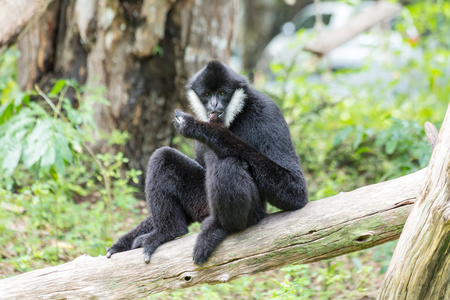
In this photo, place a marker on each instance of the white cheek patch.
(235, 106)
(197, 106)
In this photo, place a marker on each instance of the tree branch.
(431, 133)
(331, 39)
(326, 228)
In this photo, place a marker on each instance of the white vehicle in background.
(285, 48)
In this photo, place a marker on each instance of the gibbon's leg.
(211, 235)
(126, 241)
(175, 197)
(231, 191)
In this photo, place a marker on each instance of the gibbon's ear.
(235, 106)
(197, 106)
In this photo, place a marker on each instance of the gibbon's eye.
(222, 93)
(206, 94)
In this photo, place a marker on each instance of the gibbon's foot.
(116, 248)
(208, 239)
(149, 242)
(146, 258)
(201, 255)
(138, 242)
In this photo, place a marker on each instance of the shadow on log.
(326, 228)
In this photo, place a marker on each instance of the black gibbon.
(244, 158)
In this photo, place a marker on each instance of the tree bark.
(15, 15)
(420, 266)
(326, 228)
(142, 51)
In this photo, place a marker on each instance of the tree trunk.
(262, 20)
(326, 228)
(16, 15)
(420, 267)
(142, 51)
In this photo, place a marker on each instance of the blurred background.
(88, 90)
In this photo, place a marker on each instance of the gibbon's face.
(216, 89)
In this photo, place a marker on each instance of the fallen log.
(326, 228)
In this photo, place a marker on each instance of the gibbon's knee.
(160, 159)
(161, 170)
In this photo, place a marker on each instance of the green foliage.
(298, 279)
(45, 143)
(57, 198)
(349, 136)
(9, 87)
(432, 20)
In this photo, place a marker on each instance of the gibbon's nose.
(213, 102)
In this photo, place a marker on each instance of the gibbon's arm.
(286, 191)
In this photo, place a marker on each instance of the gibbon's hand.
(184, 123)
(213, 133)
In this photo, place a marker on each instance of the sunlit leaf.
(11, 158)
(57, 87)
(63, 147)
(48, 159)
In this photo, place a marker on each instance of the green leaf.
(72, 114)
(77, 189)
(33, 153)
(342, 135)
(359, 134)
(41, 131)
(37, 143)
(26, 99)
(364, 150)
(48, 159)
(59, 163)
(63, 146)
(390, 146)
(11, 158)
(19, 99)
(6, 111)
(57, 87)
(20, 123)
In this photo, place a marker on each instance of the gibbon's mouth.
(216, 115)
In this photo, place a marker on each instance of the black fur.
(237, 169)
